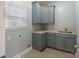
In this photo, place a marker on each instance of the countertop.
(52, 31)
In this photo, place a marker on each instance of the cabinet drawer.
(51, 42)
(51, 34)
(66, 35)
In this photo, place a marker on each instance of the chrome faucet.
(65, 29)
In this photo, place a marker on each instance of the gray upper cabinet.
(36, 13)
(51, 14)
(42, 14)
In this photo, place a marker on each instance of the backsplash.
(51, 27)
(37, 27)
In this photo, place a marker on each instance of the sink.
(65, 32)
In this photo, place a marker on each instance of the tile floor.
(47, 53)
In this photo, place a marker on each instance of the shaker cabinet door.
(69, 44)
(42, 14)
(51, 41)
(60, 43)
(51, 15)
(38, 41)
(36, 13)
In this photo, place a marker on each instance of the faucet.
(65, 29)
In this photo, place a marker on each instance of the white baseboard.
(22, 53)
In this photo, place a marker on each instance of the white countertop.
(52, 31)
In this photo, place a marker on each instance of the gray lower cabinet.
(66, 42)
(69, 44)
(51, 41)
(60, 43)
(38, 41)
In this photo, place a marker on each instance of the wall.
(77, 26)
(77, 20)
(2, 30)
(14, 43)
(65, 15)
(29, 22)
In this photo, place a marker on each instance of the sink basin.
(64, 32)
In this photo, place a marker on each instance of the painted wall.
(77, 26)
(14, 43)
(2, 30)
(29, 22)
(77, 20)
(65, 15)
